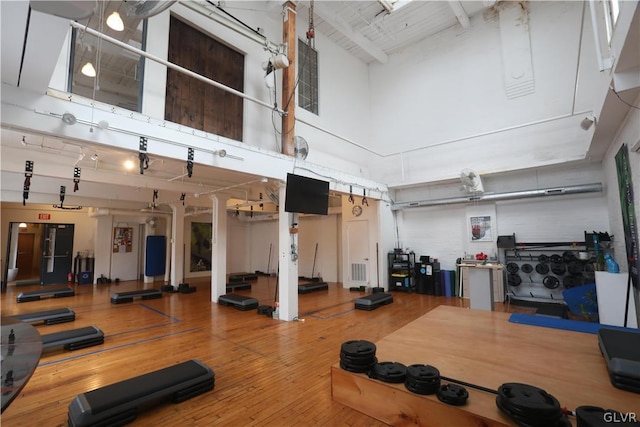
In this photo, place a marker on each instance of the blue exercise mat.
(154, 264)
(566, 324)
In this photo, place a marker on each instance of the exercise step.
(45, 293)
(48, 317)
(119, 403)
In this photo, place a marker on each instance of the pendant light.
(88, 70)
(114, 21)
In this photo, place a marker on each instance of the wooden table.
(482, 348)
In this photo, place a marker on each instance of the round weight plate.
(528, 402)
(390, 372)
(551, 282)
(558, 268)
(452, 394)
(556, 258)
(358, 348)
(358, 369)
(526, 268)
(568, 256)
(425, 373)
(543, 258)
(512, 267)
(575, 267)
(357, 361)
(514, 280)
(542, 268)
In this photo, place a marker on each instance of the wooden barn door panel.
(197, 104)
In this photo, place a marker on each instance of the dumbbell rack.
(544, 270)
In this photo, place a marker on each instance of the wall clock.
(356, 210)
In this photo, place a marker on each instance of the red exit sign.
(44, 216)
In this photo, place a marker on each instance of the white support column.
(288, 263)
(177, 245)
(218, 248)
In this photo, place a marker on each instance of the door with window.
(57, 253)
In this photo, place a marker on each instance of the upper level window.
(103, 71)
(611, 10)
(308, 77)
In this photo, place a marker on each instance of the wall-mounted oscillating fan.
(152, 222)
(146, 8)
(300, 147)
(471, 181)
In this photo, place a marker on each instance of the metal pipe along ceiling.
(525, 194)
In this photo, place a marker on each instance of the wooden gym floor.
(268, 372)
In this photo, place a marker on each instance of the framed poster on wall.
(122, 239)
(480, 227)
(200, 246)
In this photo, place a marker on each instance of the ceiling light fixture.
(88, 70)
(587, 122)
(128, 164)
(114, 21)
(94, 156)
(22, 225)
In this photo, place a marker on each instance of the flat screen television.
(306, 195)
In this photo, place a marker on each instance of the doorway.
(41, 253)
(358, 252)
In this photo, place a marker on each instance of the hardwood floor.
(268, 372)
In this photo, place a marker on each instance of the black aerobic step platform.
(45, 293)
(120, 297)
(305, 288)
(373, 301)
(240, 286)
(242, 277)
(240, 302)
(118, 403)
(74, 339)
(48, 317)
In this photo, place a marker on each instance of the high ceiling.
(364, 28)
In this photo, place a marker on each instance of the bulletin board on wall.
(122, 239)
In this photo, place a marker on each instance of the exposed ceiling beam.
(461, 15)
(346, 30)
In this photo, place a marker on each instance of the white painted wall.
(448, 93)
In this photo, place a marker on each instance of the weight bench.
(242, 277)
(49, 317)
(238, 286)
(373, 301)
(121, 297)
(240, 302)
(74, 339)
(305, 288)
(52, 292)
(118, 403)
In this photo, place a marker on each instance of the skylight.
(393, 5)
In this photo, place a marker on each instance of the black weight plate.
(543, 258)
(358, 369)
(572, 281)
(555, 258)
(512, 267)
(558, 268)
(528, 399)
(574, 267)
(514, 280)
(526, 268)
(542, 268)
(588, 267)
(358, 348)
(551, 282)
(390, 372)
(363, 361)
(452, 394)
(420, 372)
(568, 256)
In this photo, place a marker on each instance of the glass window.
(611, 10)
(308, 77)
(117, 73)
